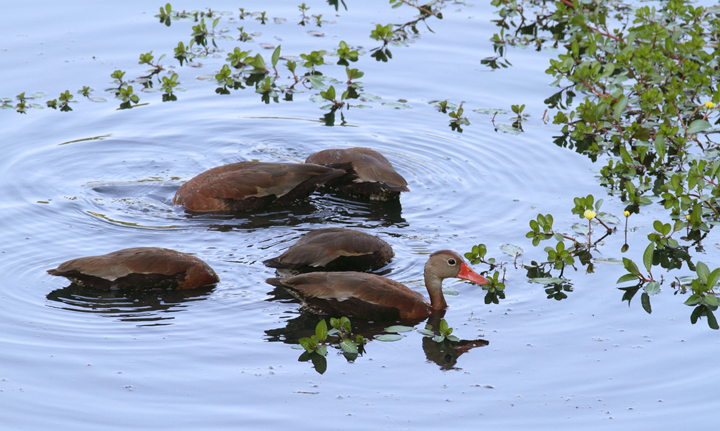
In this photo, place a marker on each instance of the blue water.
(98, 179)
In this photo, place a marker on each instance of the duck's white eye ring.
(451, 262)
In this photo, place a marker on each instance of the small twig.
(420, 8)
(617, 39)
(602, 223)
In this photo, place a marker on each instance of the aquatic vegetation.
(316, 345)
(648, 76)
(208, 39)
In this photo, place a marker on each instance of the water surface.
(98, 179)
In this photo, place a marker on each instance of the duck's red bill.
(467, 273)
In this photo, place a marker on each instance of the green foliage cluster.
(650, 82)
(444, 332)
(124, 91)
(316, 345)
(495, 290)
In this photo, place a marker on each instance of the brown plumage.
(369, 296)
(369, 173)
(139, 267)
(334, 249)
(247, 186)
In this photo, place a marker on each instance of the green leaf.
(388, 337)
(505, 128)
(511, 250)
(396, 105)
(628, 161)
(608, 218)
(581, 228)
(642, 134)
(443, 326)
(652, 288)
(711, 300)
(712, 322)
(450, 291)
(630, 266)
(657, 224)
(329, 94)
(316, 82)
(648, 256)
(348, 346)
(627, 277)
(399, 328)
(666, 229)
(660, 148)
(305, 343)
(620, 107)
(698, 126)
(629, 186)
(694, 299)
(367, 97)
(276, 56)
(321, 330)
(645, 300)
(703, 272)
(696, 313)
(345, 324)
(547, 280)
(713, 278)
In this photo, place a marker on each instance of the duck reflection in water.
(316, 211)
(445, 354)
(147, 307)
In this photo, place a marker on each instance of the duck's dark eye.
(451, 262)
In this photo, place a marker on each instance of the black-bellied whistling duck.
(370, 296)
(334, 249)
(247, 186)
(139, 267)
(370, 174)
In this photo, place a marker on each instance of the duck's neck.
(433, 283)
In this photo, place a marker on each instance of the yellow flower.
(687, 217)
(589, 214)
(709, 104)
(626, 213)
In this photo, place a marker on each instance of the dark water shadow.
(445, 354)
(319, 210)
(387, 213)
(150, 307)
